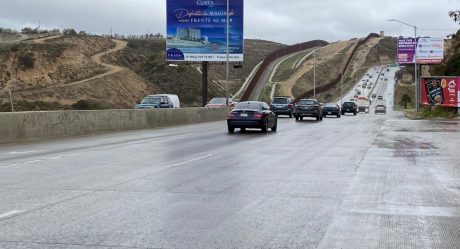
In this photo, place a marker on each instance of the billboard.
(196, 30)
(430, 50)
(406, 50)
(443, 91)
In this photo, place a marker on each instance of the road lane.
(365, 181)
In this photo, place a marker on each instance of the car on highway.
(373, 95)
(159, 101)
(252, 114)
(331, 109)
(380, 107)
(308, 108)
(282, 105)
(220, 102)
(379, 97)
(349, 107)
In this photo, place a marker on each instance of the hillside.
(56, 72)
(329, 61)
(147, 58)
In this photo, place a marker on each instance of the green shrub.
(26, 61)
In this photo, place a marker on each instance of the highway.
(365, 181)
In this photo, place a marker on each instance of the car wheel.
(338, 115)
(231, 129)
(301, 118)
(243, 129)
(296, 118)
(354, 113)
(290, 115)
(317, 118)
(264, 126)
(321, 118)
(343, 113)
(275, 126)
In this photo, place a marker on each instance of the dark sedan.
(331, 109)
(252, 114)
(308, 108)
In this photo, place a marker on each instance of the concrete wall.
(23, 126)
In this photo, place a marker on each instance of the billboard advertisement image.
(430, 50)
(196, 30)
(442, 91)
(406, 50)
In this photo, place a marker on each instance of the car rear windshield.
(348, 104)
(280, 101)
(217, 101)
(249, 106)
(330, 105)
(307, 102)
(152, 100)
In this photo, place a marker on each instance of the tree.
(405, 99)
(455, 15)
(69, 32)
(28, 30)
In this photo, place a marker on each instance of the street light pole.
(314, 73)
(226, 69)
(417, 87)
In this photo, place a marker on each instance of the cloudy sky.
(285, 21)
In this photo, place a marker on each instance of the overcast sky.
(285, 21)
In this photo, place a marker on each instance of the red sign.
(441, 91)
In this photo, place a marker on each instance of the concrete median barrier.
(24, 126)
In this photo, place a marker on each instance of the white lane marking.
(21, 152)
(189, 161)
(259, 140)
(44, 159)
(9, 214)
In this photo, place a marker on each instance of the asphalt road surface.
(365, 181)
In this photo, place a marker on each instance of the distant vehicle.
(380, 107)
(252, 114)
(308, 108)
(283, 106)
(379, 97)
(331, 109)
(373, 95)
(349, 107)
(363, 104)
(220, 102)
(369, 87)
(159, 101)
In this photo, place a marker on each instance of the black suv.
(308, 108)
(349, 107)
(282, 106)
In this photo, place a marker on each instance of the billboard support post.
(417, 85)
(226, 66)
(204, 86)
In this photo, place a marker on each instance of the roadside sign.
(442, 91)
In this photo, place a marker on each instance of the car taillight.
(289, 106)
(231, 115)
(259, 115)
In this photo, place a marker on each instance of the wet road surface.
(365, 181)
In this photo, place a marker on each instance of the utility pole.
(11, 99)
(314, 73)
